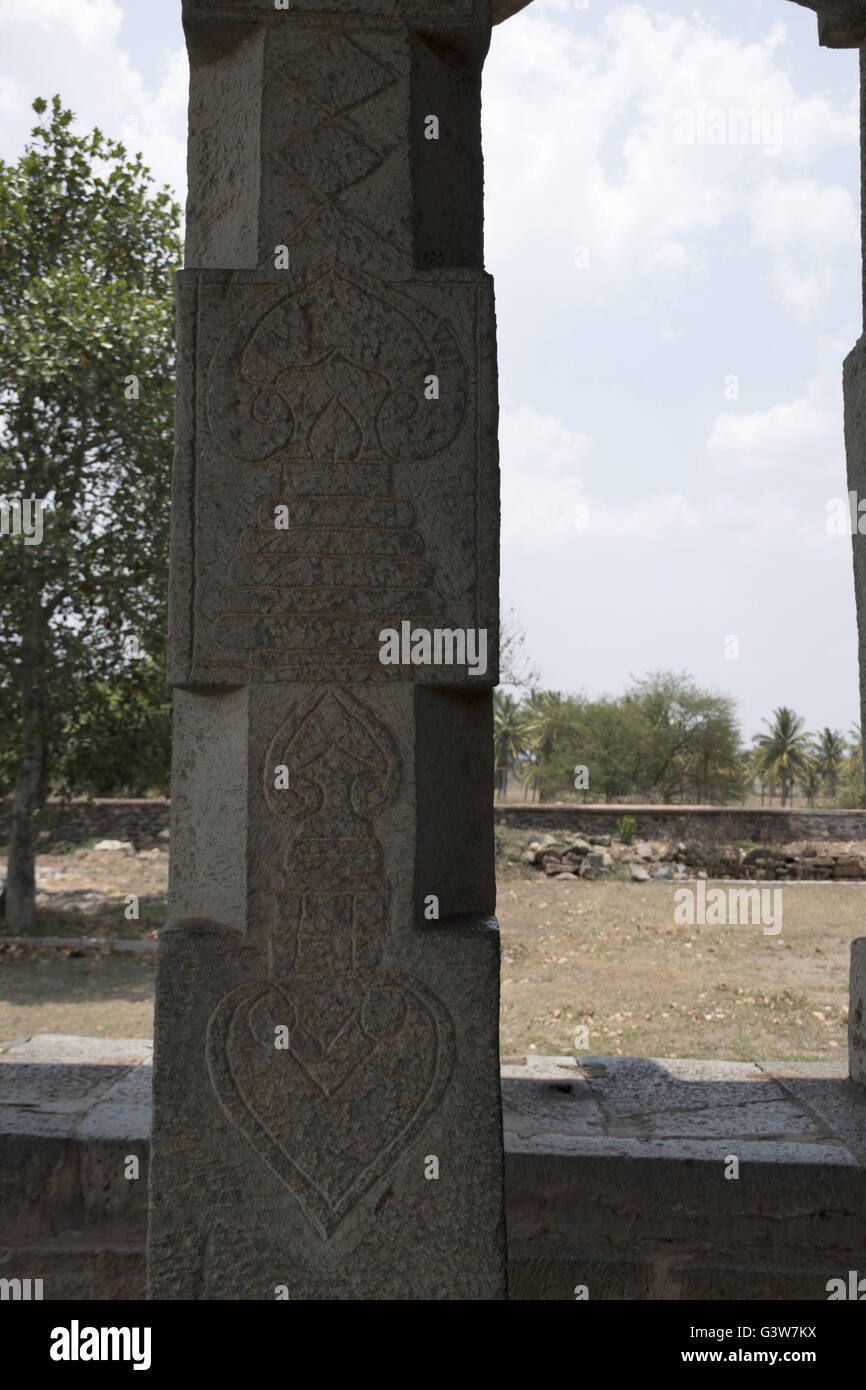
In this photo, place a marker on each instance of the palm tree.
(783, 753)
(830, 757)
(548, 723)
(747, 772)
(509, 743)
(813, 780)
(854, 762)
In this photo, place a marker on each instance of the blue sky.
(672, 319)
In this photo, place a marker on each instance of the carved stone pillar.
(326, 1087)
(842, 24)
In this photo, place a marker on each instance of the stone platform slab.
(615, 1172)
(616, 1178)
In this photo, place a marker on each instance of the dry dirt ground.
(610, 957)
(103, 996)
(606, 956)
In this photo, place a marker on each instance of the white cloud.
(582, 121)
(157, 123)
(73, 47)
(543, 492)
(646, 519)
(804, 226)
(91, 24)
(12, 96)
(542, 487)
(802, 434)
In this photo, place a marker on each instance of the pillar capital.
(841, 23)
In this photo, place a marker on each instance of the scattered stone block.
(848, 867)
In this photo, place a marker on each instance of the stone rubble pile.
(567, 856)
(810, 863)
(593, 856)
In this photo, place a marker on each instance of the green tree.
(118, 743)
(744, 774)
(812, 780)
(851, 792)
(87, 255)
(664, 737)
(854, 750)
(509, 744)
(783, 752)
(689, 738)
(608, 739)
(552, 738)
(830, 754)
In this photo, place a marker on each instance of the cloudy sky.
(676, 290)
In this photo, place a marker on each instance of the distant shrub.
(626, 829)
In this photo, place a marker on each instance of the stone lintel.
(841, 23)
(444, 17)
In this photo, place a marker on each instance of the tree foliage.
(88, 252)
(664, 739)
(784, 752)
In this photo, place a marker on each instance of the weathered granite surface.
(857, 1012)
(326, 1095)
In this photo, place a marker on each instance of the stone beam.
(841, 23)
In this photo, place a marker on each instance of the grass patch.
(94, 996)
(108, 921)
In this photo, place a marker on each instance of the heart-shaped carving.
(369, 1057)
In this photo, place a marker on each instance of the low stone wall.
(764, 825)
(612, 1175)
(142, 821)
(76, 822)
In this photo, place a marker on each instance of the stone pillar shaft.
(842, 24)
(326, 1090)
